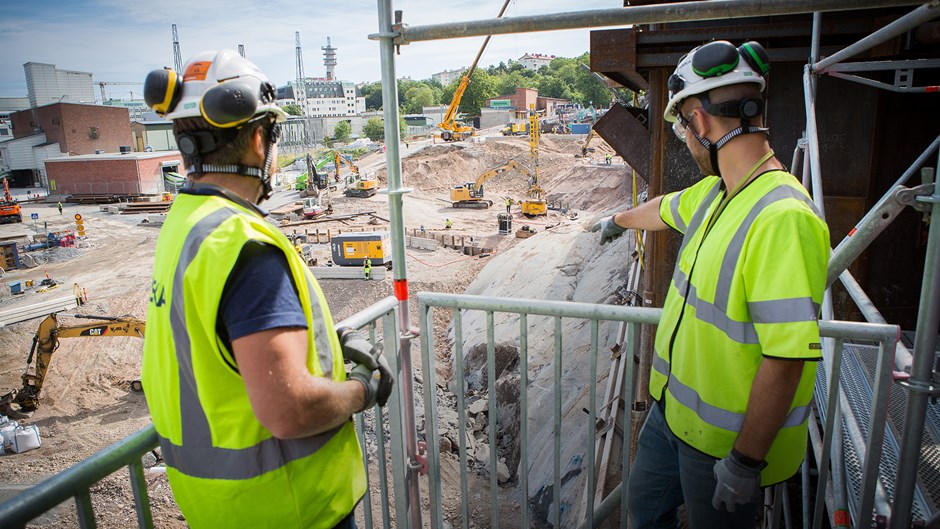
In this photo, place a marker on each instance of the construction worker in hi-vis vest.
(243, 370)
(735, 353)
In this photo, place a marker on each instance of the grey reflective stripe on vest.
(739, 331)
(321, 338)
(736, 246)
(698, 218)
(771, 311)
(674, 208)
(719, 417)
(713, 415)
(197, 457)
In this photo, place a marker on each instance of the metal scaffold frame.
(392, 34)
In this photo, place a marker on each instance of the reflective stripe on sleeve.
(674, 209)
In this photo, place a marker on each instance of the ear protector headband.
(162, 90)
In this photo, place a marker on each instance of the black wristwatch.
(747, 461)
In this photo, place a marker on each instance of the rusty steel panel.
(613, 53)
(628, 136)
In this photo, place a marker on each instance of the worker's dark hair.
(231, 152)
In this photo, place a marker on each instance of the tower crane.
(101, 84)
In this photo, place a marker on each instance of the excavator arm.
(45, 343)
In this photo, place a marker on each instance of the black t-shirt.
(259, 295)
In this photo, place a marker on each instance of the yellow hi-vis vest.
(751, 289)
(225, 468)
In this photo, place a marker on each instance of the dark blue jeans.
(668, 473)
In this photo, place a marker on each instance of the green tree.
(550, 86)
(374, 129)
(342, 131)
(293, 110)
(482, 87)
(373, 94)
(418, 96)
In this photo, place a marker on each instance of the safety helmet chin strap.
(262, 173)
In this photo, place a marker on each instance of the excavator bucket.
(13, 406)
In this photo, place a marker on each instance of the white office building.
(47, 84)
(326, 98)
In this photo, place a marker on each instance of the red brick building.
(138, 173)
(78, 129)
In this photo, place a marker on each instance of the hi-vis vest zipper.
(750, 289)
(225, 468)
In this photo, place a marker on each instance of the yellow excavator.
(451, 129)
(534, 204)
(470, 194)
(46, 341)
(357, 185)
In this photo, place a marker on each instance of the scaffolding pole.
(920, 386)
(400, 278)
(634, 15)
(924, 13)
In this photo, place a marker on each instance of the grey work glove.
(738, 482)
(609, 229)
(370, 366)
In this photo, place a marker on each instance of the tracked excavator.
(20, 403)
(357, 185)
(470, 194)
(9, 209)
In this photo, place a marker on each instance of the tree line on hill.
(562, 78)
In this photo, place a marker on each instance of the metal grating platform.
(858, 367)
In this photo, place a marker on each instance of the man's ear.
(699, 121)
(257, 142)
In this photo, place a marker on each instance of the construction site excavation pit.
(87, 402)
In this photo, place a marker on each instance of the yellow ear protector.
(162, 90)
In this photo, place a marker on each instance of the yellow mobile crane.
(46, 341)
(470, 194)
(451, 129)
(534, 203)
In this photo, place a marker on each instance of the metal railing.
(493, 312)
(77, 481)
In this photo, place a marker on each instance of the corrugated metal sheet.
(18, 154)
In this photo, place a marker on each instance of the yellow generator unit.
(351, 249)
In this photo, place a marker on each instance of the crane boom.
(451, 130)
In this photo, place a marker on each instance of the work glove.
(609, 229)
(370, 367)
(738, 482)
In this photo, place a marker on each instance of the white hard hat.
(713, 65)
(222, 87)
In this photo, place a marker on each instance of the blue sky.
(117, 40)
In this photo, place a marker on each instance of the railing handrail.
(78, 479)
(45, 495)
